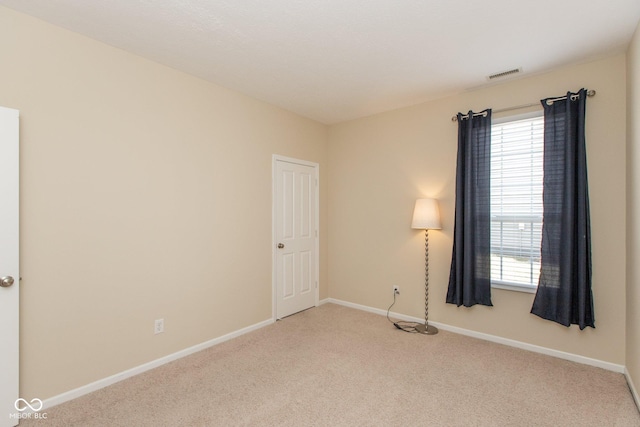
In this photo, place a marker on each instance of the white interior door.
(295, 236)
(9, 274)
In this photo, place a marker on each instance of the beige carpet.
(336, 366)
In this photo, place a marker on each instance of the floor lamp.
(426, 217)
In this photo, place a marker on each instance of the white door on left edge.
(295, 234)
(9, 274)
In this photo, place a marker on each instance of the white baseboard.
(97, 385)
(493, 338)
(634, 392)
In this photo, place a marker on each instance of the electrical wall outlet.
(396, 290)
(158, 326)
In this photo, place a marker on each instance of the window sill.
(513, 287)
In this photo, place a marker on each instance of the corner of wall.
(632, 335)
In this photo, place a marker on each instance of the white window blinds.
(516, 201)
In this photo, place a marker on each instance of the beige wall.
(379, 165)
(633, 210)
(145, 193)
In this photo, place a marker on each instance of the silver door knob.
(280, 245)
(6, 281)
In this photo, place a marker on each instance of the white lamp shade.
(425, 215)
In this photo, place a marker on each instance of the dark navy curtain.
(564, 290)
(470, 275)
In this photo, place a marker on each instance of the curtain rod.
(519, 107)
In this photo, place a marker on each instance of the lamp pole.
(426, 329)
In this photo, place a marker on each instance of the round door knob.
(6, 281)
(280, 245)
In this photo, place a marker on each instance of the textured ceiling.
(336, 60)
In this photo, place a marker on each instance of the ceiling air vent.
(504, 74)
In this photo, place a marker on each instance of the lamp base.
(426, 329)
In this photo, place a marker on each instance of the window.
(516, 201)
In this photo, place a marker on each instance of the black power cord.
(401, 324)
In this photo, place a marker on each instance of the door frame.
(274, 286)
